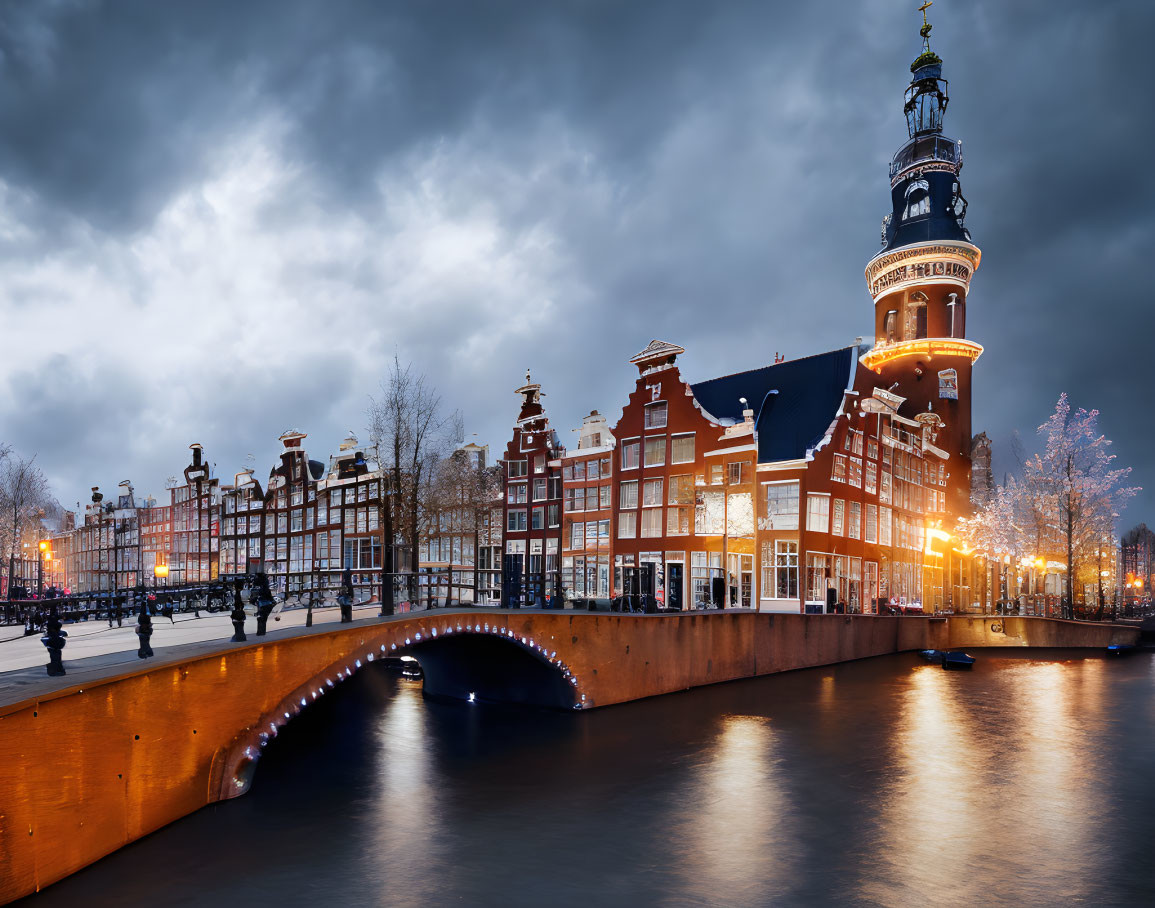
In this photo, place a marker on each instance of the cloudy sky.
(221, 220)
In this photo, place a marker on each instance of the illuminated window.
(917, 200)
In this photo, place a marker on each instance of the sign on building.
(948, 384)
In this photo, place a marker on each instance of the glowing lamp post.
(40, 570)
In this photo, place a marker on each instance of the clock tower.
(920, 278)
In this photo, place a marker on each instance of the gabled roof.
(794, 402)
(656, 349)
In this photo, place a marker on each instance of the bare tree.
(24, 493)
(1075, 484)
(410, 432)
(462, 493)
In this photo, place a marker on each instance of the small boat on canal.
(1120, 649)
(948, 659)
(957, 660)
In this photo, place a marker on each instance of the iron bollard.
(238, 615)
(54, 641)
(144, 632)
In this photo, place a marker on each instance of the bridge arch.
(462, 657)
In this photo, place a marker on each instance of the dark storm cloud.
(709, 173)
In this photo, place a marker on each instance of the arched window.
(890, 326)
(916, 316)
(917, 200)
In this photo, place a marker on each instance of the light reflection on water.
(1027, 781)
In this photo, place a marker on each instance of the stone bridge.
(93, 761)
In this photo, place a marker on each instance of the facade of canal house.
(532, 509)
(587, 477)
(242, 526)
(196, 505)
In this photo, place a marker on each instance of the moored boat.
(1120, 649)
(957, 660)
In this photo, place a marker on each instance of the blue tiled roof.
(808, 393)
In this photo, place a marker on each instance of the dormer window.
(917, 200)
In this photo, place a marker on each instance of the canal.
(1027, 781)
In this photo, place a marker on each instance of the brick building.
(532, 509)
(587, 516)
(195, 554)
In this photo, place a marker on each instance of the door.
(674, 572)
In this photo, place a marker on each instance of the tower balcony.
(926, 148)
(925, 348)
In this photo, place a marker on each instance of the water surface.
(1027, 781)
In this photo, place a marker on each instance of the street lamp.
(40, 570)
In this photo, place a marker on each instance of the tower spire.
(926, 26)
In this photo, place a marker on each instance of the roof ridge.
(772, 365)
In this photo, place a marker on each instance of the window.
(884, 526)
(516, 468)
(652, 493)
(856, 472)
(631, 452)
(629, 495)
(885, 489)
(553, 515)
(577, 536)
(817, 576)
(538, 518)
(682, 449)
(854, 520)
(916, 315)
(836, 527)
(656, 415)
(779, 570)
(516, 522)
(715, 474)
(871, 478)
(539, 490)
(871, 534)
(782, 505)
(681, 500)
(579, 471)
(651, 522)
(539, 463)
(917, 200)
(677, 521)
(604, 493)
(735, 472)
(656, 451)
(627, 525)
(838, 473)
(818, 513)
(592, 472)
(516, 492)
(872, 449)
